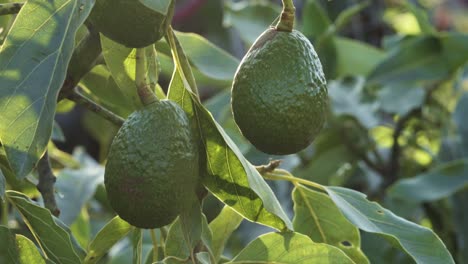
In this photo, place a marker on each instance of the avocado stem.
(145, 93)
(286, 22)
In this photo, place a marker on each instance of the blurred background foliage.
(397, 130)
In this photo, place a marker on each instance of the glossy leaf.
(250, 18)
(315, 19)
(28, 252)
(57, 133)
(316, 216)
(208, 60)
(293, 248)
(460, 217)
(75, 187)
(33, 64)
(8, 250)
(400, 99)
(108, 236)
(229, 176)
(348, 99)
(421, 243)
(120, 61)
(2, 186)
(160, 6)
(222, 227)
(356, 58)
(415, 59)
(440, 182)
(459, 117)
(185, 232)
(55, 241)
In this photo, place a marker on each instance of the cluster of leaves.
(387, 110)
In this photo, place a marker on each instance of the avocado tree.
(374, 140)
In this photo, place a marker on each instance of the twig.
(391, 174)
(144, 92)
(81, 99)
(46, 184)
(270, 167)
(10, 8)
(286, 22)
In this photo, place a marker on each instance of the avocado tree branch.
(46, 184)
(145, 93)
(81, 99)
(10, 8)
(286, 22)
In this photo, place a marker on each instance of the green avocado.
(279, 94)
(152, 168)
(129, 22)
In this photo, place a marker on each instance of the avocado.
(279, 94)
(152, 168)
(129, 22)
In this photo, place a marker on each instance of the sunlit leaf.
(33, 64)
(421, 243)
(229, 176)
(293, 248)
(316, 216)
(440, 182)
(54, 240)
(110, 234)
(28, 252)
(222, 227)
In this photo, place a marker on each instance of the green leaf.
(293, 248)
(121, 62)
(460, 217)
(161, 6)
(81, 228)
(57, 133)
(185, 232)
(400, 99)
(250, 18)
(422, 18)
(137, 241)
(222, 227)
(440, 182)
(455, 46)
(208, 60)
(421, 243)
(204, 258)
(8, 250)
(33, 64)
(110, 234)
(415, 59)
(459, 116)
(100, 86)
(346, 15)
(77, 186)
(27, 251)
(347, 98)
(315, 19)
(316, 216)
(356, 58)
(53, 239)
(229, 176)
(2, 186)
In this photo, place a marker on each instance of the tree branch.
(81, 99)
(46, 184)
(10, 8)
(270, 167)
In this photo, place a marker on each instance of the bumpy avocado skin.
(279, 94)
(152, 168)
(129, 22)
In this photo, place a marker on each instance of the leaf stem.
(286, 22)
(81, 99)
(155, 245)
(10, 8)
(144, 91)
(46, 184)
(284, 175)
